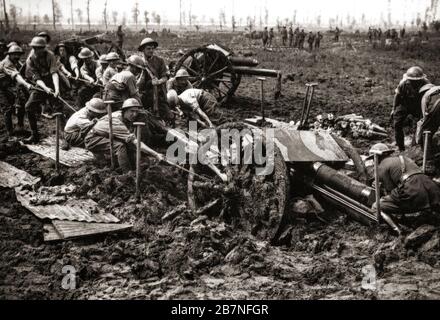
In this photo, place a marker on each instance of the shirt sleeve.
(132, 88)
(10, 70)
(31, 72)
(189, 98)
(52, 62)
(121, 132)
(73, 62)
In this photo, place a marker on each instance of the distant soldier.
(271, 36)
(318, 39)
(195, 101)
(301, 39)
(82, 121)
(407, 189)
(379, 34)
(122, 85)
(296, 36)
(291, 35)
(337, 34)
(155, 74)
(284, 36)
(41, 69)
(265, 37)
(407, 101)
(120, 34)
(113, 60)
(124, 139)
(99, 72)
(180, 82)
(88, 72)
(370, 34)
(9, 77)
(425, 30)
(311, 40)
(402, 33)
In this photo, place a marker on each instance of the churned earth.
(173, 254)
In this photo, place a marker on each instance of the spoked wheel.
(210, 70)
(250, 201)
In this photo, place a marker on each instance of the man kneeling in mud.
(124, 141)
(82, 121)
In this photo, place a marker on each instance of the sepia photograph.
(233, 150)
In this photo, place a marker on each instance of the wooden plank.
(73, 157)
(72, 209)
(74, 229)
(12, 177)
(50, 233)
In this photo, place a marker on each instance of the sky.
(307, 10)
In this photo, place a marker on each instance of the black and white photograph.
(233, 150)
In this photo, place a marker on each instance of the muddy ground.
(200, 258)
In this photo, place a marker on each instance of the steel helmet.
(136, 61)
(415, 73)
(44, 34)
(38, 42)
(103, 59)
(172, 98)
(85, 53)
(182, 73)
(131, 103)
(112, 56)
(426, 87)
(96, 105)
(380, 148)
(149, 42)
(15, 49)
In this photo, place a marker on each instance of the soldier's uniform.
(9, 94)
(318, 39)
(87, 91)
(197, 98)
(265, 37)
(121, 87)
(291, 37)
(108, 74)
(284, 35)
(409, 190)
(311, 40)
(173, 85)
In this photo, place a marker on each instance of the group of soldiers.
(293, 39)
(137, 89)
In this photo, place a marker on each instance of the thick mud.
(173, 254)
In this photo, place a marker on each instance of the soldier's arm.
(22, 82)
(203, 117)
(85, 74)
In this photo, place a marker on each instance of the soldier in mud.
(124, 140)
(10, 77)
(301, 39)
(296, 36)
(67, 64)
(103, 64)
(291, 35)
(284, 35)
(113, 60)
(88, 72)
(271, 37)
(82, 121)
(180, 82)
(407, 101)
(154, 74)
(318, 39)
(265, 37)
(311, 40)
(122, 85)
(337, 34)
(370, 34)
(407, 189)
(42, 70)
(195, 102)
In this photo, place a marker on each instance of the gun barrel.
(243, 61)
(250, 71)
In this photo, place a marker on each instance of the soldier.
(318, 39)
(3, 49)
(296, 36)
(407, 101)
(265, 37)
(284, 35)
(41, 68)
(82, 121)
(67, 64)
(407, 189)
(123, 84)
(271, 36)
(103, 64)
(9, 76)
(291, 36)
(337, 33)
(88, 72)
(301, 39)
(155, 74)
(120, 34)
(311, 40)
(180, 82)
(113, 61)
(97, 140)
(46, 36)
(194, 101)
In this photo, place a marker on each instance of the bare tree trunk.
(180, 11)
(6, 16)
(105, 15)
(53, 14)
(88, 13)
(71, 15)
